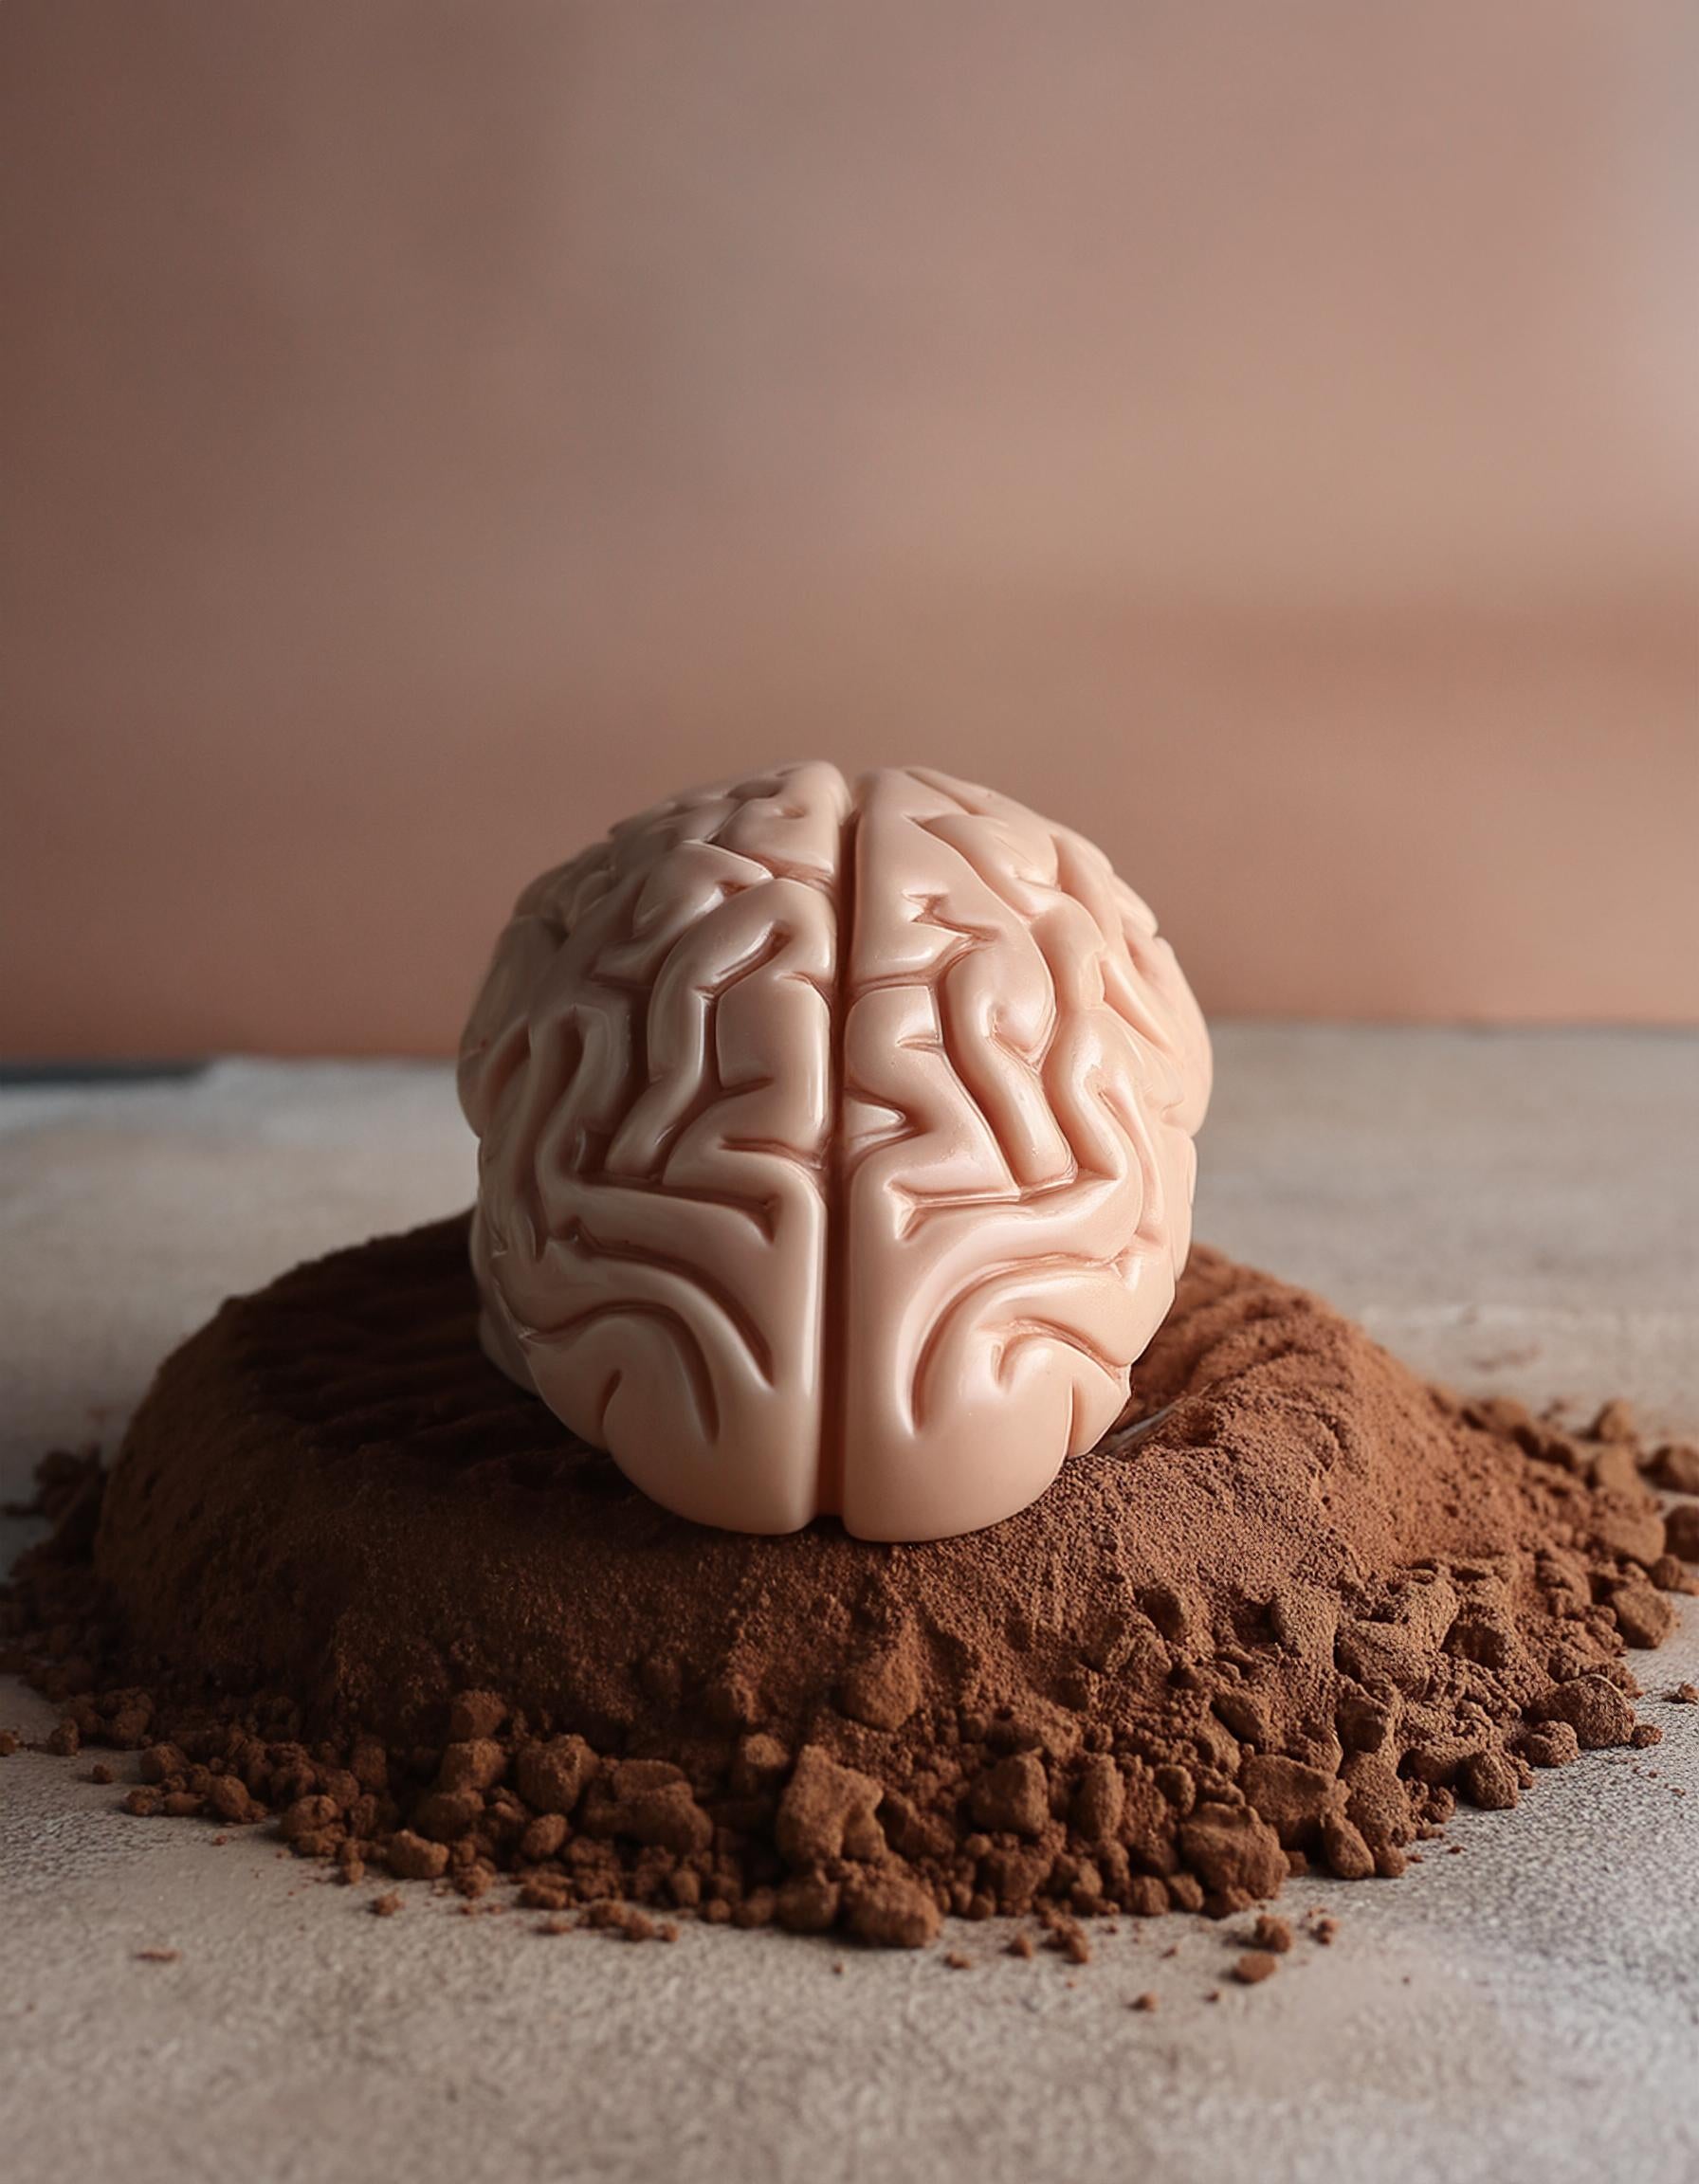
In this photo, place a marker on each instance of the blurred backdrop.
(1262, 437)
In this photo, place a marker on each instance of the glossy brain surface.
(834, 1149)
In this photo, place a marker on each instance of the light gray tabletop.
(1508, 1210)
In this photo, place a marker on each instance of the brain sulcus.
(834, 1149)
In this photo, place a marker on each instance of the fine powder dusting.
(345, 1573)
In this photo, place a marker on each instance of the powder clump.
(347, 1576)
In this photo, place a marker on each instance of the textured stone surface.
(1506, 1211)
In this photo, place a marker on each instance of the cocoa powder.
(345, 1577)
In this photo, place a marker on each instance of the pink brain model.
(834, 1149)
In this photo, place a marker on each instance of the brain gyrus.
(834, 1149)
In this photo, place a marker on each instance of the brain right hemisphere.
(835, 1148)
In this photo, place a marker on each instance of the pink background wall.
(1262, 437)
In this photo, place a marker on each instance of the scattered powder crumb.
(66, 1739)
(1682, 1531)
(412, 1858)
(1675, 1466)
(385, 1907)
(1685, 1695)
(1272, 1934)
(158, 1956)
(1324, 1930)
(1021, 1946)
(1067, 1939)
(956, 1962)
(1255, 1966)
(101, 1772)
(1144, 2002)
(9, 1742)
(1646, 1733)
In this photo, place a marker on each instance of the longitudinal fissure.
(834, 1304)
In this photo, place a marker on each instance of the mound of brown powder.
(345, 1573)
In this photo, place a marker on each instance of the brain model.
(834, 1149)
